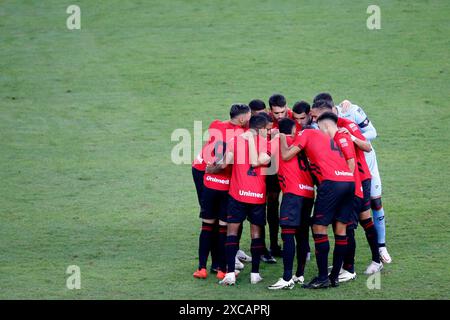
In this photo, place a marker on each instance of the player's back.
(248, 184)
(220, 134)
(294, 175)
(326, 159)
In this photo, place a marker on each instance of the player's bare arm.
(364, 145)
(287, 153)
(218, 167)
(351, 164)
(256, 160)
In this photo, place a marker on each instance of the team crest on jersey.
(352, 126)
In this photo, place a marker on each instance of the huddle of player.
(321, 159)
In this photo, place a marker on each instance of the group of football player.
(320, 158)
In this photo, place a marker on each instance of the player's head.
(269, 119)
(240, 114)
(257, 106)
(300, 112)
(287, 126)
(327, 122)
(319, 107)
(324, 96)
(277, 104)
(259, 124)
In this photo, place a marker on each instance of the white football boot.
(374, 267)
(345, 276)
(282, 284)
(243, 257)
(255, 278)
(299, 280)
(384, 255)
(238, 264)
(229, 280)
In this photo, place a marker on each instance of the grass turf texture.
(86, 118)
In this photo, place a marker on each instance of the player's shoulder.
(357, 110)
(216, 124)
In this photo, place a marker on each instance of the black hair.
(301, 106)
(324, 96)
(277, 100)
(267, 116)
(322, 104)
(258, 122)
(257, 105)
(238, 109)
(285, 125)
(328, 116)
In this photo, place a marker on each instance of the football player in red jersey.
(215, 189)
(298, 198)
(334, 201)
(278, 110)
(361, 146)
(301, 114)
(257, 106)
(248, 154)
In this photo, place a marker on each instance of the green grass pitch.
(86, 118)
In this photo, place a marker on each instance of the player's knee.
(376, 204)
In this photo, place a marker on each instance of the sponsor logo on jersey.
(305, 187)
(251, 194)
(221, 181)
(343, 173)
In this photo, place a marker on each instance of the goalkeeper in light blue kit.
(356, 114)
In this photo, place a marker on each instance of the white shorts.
(375, 186)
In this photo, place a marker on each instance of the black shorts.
(366, 192)
(354, 218)
(197, 175)
(295, 210)
(272, 184)
(215, 203)
(238, 211)
(334, 202)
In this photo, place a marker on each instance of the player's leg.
(236, 213)
(197, 176)
(345, 192)
(222, 263)
(257, 218)
(324, 212)
(211, 201)
(273, 203)
(302, 239)
(347, 272)
(238, 264)
(289, 222)
(204, 247)
(215, 248)
(256, 248)
(377, 209)
(379, 221)
(366, 222)
(222, 236)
